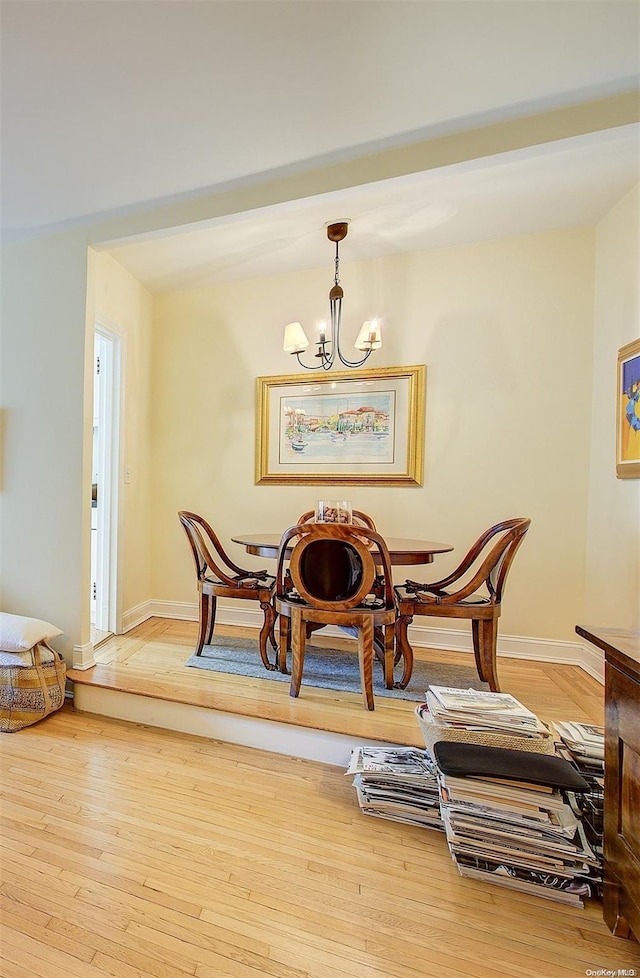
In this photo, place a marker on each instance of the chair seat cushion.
(436, 598)
(371, 602)
(250, 583)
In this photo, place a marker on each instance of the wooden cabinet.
(622, 778)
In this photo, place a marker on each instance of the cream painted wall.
(45, 499)
(612, 594)
(120, 299)
(505, 329)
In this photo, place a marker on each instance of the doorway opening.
(107, 355)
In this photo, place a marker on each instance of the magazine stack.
(398, 783)
(480, 717)
(508, 820)
(583, 745)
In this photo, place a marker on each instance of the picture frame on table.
(628, 412)
(356, 427)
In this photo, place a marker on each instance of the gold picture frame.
(628, 412)
(355, 427)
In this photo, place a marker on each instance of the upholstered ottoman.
(32, 674)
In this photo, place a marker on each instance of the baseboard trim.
(83, 656)
(451, 639)
(592, 661)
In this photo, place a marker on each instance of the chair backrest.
(359, 518)
(512, 534)
(208, 553)
(488, 563)
(332, 566)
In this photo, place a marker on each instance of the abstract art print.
(628, 412)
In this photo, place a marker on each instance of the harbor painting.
(355, 427)
(337, 429)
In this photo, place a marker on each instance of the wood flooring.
(149, 660)
(133, 852)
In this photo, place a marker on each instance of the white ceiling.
(566, 184)
(106, 105)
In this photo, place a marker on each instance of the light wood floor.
(133, 852)
(150, 660)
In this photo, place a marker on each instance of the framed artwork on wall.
(628, 412)
(356, 427)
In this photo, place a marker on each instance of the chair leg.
(204, 621)
(284, 649)
(404, 649)
(213, 603)
(485, 642)
(266, 631)
(272, 633)
(365, 659)
(389, 655)
(298, 642)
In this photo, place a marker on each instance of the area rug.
(331, 669)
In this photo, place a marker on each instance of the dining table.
(403, 552)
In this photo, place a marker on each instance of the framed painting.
(356, 427)
(628, 412)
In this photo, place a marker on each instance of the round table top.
(402, 552)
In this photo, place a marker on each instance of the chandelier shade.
(295, 340)
(328, 340)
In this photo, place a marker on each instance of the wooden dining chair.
(360, 518)
(329, 581)
(218, 577)
(474, 590)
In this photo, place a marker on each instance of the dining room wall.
(612, 592)
(505, 329)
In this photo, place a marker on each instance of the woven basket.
(433, 732)
(29, 693)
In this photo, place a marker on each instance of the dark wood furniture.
(402, 552)
(329, 580)
(480, 580)
(621, 905)
(217, 576)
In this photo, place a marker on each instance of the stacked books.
(398, 783)
(508, 821)
(477, 716)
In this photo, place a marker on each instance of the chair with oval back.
(359, 518)
(481, 579)
(218, 576)
(329, 581)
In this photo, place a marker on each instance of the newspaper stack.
(474, 709)
(583, 745)
(508, 820)
(397, 783)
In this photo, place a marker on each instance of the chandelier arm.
(318, 366)
(354, 363)
(336, 322)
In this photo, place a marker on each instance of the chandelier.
(328, 342)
